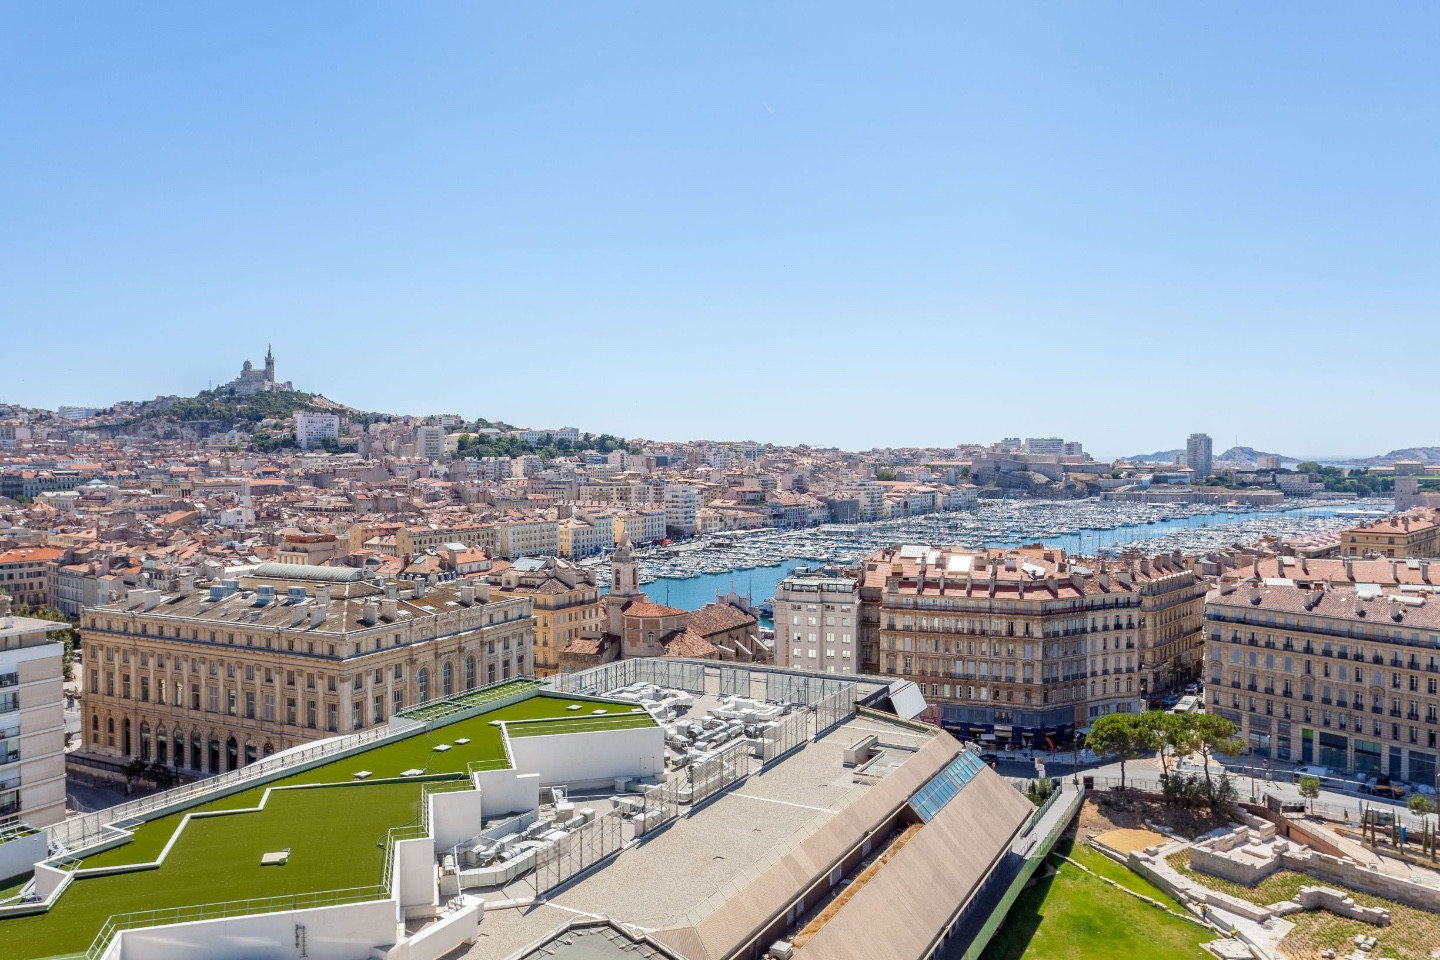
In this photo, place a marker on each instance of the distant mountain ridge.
(1425, 454)
(1250, 457)
(1240, 456)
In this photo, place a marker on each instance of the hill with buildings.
(222, 405)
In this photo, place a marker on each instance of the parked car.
(1311, 770)
(990, 758)
(1191, 689)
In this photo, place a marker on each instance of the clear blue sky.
(854, 224)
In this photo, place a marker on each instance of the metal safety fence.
(734, 682)
(792, 730)
(577, 851)
(671, 674)
(77, 832)
(835, 707)
(661, 804)
(715, 773)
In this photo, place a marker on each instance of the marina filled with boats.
(1087, 527)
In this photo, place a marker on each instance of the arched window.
(162, 746)
(145, 741)
(232, 754)
(269, 749)
(110, 732)
(125, 736)
(179, 748)
(447, 682)
(197, 758)
(423, 678)
(469, 673)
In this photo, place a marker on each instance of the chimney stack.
(370, 613)
(467, 594)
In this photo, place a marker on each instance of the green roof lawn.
(1071, 915)
(218, 858)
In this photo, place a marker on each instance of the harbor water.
(1201, 531)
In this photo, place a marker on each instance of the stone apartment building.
(32, 720)
(28, 574)
(1029, 644)
(206, 678)
(1340, 675)
(817, 621)
(1407, 535)
(566, 601)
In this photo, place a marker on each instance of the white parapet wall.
(593, 757)
(413, 883)
(18, 855)
(455, 817)
(347, 932)
(457, 927)
(507, 792)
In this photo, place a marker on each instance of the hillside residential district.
(283, 678)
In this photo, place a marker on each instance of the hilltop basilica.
(252, 381)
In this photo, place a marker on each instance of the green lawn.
(440, 708)
(335, 830)
(1074, 916)
(1099, 863)
(389, 760)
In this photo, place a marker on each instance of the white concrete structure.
(682, 502)
(430, 442)
(1198, 447)
(32, 720)
(311, 429)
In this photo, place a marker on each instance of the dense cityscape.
(195, 589)
(653, 481)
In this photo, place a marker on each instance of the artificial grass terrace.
(335, 830)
